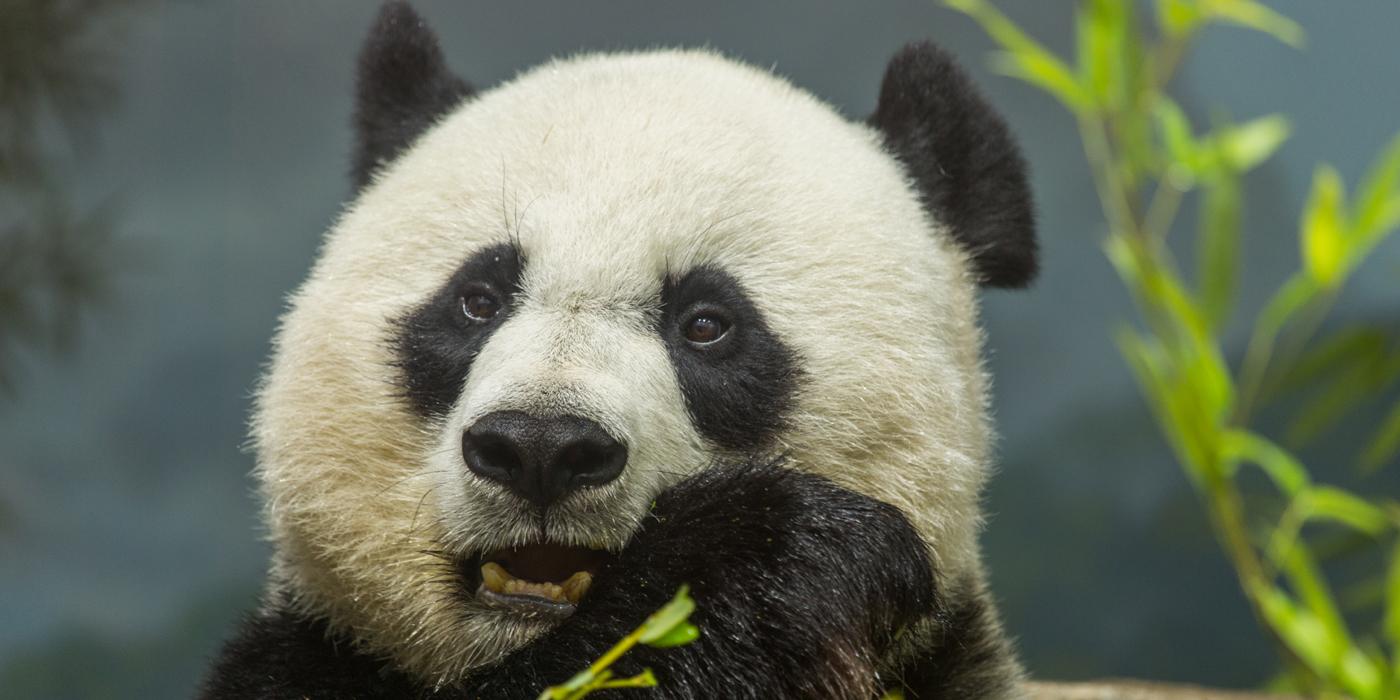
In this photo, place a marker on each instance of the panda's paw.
(800, 586)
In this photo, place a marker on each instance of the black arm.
(800, 586)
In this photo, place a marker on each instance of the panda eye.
(705, 329)
(480, 308)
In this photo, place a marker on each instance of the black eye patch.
(436, 342)
(740, 388)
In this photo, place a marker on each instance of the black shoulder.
(280, 654)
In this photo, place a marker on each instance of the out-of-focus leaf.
(1307, 582)
(1255, 15)
(1177, 17)
(1378, 198)
(1304, 634)
(1185, 165)
(1323, 234)
(1295, 294)
(1109, 52)
(1286, 472)
(681, 634)
(1386, 442)
(1336, 505)
(1218, 247)
(1245, 146)
(1392, 599)
(1357, 383)
(672, 615)
(1347, 348)
(1024, 58)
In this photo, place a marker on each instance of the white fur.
(610, 171)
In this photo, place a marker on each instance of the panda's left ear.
(402, 87)
(960, 154)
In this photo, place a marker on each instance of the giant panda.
(626, 322)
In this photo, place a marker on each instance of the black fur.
(961, 155)
(739, 389)
(964, 654)
(403, 87)
(801, 587)
(436, 343)
(279, 654)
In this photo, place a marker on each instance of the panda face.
(577, 289)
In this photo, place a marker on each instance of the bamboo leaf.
(1324, 229)
(1336, 505)
(1024, 58)
(1182, 149)
(1245, 146)
(663, 621)
(1386, 442)
(1177, 17)
(679, 635)
(1286, 472)
(1378, 199)
(1218, 247)
(1257, 16)
(1392, 599)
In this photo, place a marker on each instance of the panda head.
(552, 300)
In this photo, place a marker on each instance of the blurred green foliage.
(1146, 156)
(57, 77)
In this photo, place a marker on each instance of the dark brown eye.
(703, 330)
(480, 307)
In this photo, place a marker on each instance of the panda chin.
(537, 580)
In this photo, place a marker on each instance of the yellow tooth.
(552, 592)
(574, 588)
(495, 577)
(514, 586)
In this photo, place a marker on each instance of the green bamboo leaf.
(1392, 599)
(1386, 442)
(1347, 348)
(1333, 504)
(1287, 473)
(1255, 15)
(1324, 229)
(1307, 581)
(1185, 166)
(1177, 18)
(1378, 198)
(1357, 383)
(1300, 630)
(1218, 247)
(679, 635)
(1108, 51)
(670, 616)
(1024, 58)
(1245, 146)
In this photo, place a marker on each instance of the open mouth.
(540, 579)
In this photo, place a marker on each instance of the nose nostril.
(592, 462)
(490, 456)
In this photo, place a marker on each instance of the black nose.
(542, 459)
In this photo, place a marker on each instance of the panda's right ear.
(962, 158)
(402, 87)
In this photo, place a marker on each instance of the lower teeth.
(496, 579)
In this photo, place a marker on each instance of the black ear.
(961, 155)
(403, 86)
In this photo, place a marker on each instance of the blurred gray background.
(129, 537)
